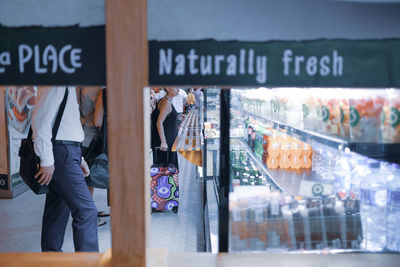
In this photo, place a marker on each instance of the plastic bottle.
(393, 211)
(305, 156)
(342, 173)
(357, 175)
(273, 153)
(286, 147)
(373, 209)
(295, 155)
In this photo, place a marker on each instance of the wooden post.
(3, 134)
(127, 74)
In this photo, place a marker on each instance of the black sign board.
(313, 63)
(52, 56)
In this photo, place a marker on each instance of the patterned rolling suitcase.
(164, 188)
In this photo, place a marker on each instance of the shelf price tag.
(314, 189)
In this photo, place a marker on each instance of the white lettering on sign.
(67, 60)
(165, 66)
(192, 62)
(231, 69)
(180, 65)
(22, 57)
(310, 64)
(261, 69)
(5, 60)
(246, 62)
(206, 67)
(229, 65)
(50, 54)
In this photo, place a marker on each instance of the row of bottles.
(244, 171)
(276, 149)
(265, 221)
(373, 185)
(377, 186)
(360, 115)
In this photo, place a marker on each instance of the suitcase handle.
(159, 148)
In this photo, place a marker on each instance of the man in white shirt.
(63, 169)
(179, 102)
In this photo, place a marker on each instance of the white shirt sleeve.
(43, 116)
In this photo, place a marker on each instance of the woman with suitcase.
(164, 172)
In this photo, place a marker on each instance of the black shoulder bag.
(29, 161)
(99, 174)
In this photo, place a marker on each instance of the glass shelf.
(383, 151)
(290, 182)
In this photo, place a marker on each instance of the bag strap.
(104, 126)
(58, 118)
(59, 115)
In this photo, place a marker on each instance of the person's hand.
(164, 147)
(44, 175)
(85, 168)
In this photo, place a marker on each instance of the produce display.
(357, 115)
(365, 116)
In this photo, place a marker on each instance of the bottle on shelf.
(358, 174)
(390, 123)
(273, 152)
(344, 118)
(373, 209)
(365, 115)
(342, 172)
(265, 149)
(330, 113)
(286, 148)
(353, 223)
(393, 211)
(310, 110)
(305, 157)
(295, 155)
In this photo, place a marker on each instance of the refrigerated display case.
(303, 175)
(210, 168)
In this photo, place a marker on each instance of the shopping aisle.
(21, 220)
(182, 232)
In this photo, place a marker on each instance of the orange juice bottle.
(286, 146)
(306, 154)
(274, 147)
(306, 149)
(305, 162)
(295, 161)
(273, 152)
(272, 162)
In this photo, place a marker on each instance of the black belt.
(63, 142)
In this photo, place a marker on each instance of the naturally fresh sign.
(326, 63)
(247, 63)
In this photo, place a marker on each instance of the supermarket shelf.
(274, 185)
(289, 181)
(384, 151)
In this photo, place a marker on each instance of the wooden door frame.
(128, 143)
(127, 75)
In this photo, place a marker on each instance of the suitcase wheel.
(175, 209)
(153, 210)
